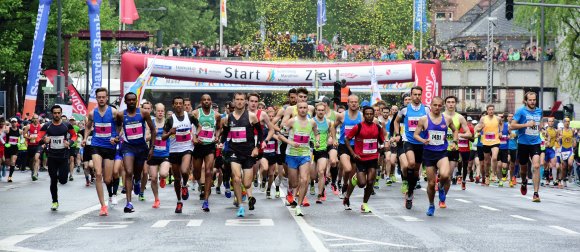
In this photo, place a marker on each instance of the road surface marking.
(334, 239)
(358, 239)
(409, 218)
(424, 189)
(349, 244)
(489, 208)
(565, 230)
(306, 229)
(164, 223)
(522, 218)
(250, 222)
(464, 201)
(105, 225)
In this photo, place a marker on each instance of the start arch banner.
(426, 74)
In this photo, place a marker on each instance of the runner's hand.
(172, 131)
(255, 152)
(264, 145)
(113, 141)
(356, 157)
(294, 144)
(66, 144)
(46, 140)
(83, 143)
(426, 141)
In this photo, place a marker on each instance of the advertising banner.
(97, 66)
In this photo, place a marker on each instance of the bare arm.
(419, 129)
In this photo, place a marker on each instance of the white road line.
(424, 189)
(489, 208)
(306, 229)
(360, 240)
(409, 218)
(568, 192)
(522, 218)
(565, 230)
(464, 201)
(334, 239)
(349, 244)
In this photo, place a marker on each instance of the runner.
(2, 143)
(239, 133)
(270, 157)
(513, 150)
(13, 133)
(298, 153)
(490, 127)
(204, 154)
(56, 133)
(527, 120)
(399, 137)
(87, 157)
(413, 148)
(134, 148)
(367, 135)
(147, 107)
(551, 146)
(464, 144)
(453, 149)
(321, 153)
(431, 131)
(178, 128)
(73, 150)
(281, 157)
(568, 140)
(159, 163)
(34, 151)
(391, 147)
(346, 121)
(503, 150)
(104, 140)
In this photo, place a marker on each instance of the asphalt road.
(478, 219)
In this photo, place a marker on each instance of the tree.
(563, 25)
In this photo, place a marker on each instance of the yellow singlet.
(567, 138)
(491, 131)
(552, 133)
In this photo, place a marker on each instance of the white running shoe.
(114, 200)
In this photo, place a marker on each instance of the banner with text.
(95, 32)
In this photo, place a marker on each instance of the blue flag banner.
(36, 56)
(95, 32)
(420, 14)
(321, 12)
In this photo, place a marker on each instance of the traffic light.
(509, 9)
(569, 111)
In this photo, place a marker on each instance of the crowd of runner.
(319, 150)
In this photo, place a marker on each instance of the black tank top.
(241, 136)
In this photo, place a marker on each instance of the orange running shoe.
(156, 203)
(162, 182)
(289, 198)
(442, 204)
(104, 211)
(305, 202)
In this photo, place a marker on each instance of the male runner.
(87, 158)
(148, 107)
(464, 145)
(134, 149)
(159, 163)
(321, 155)
(490, 127)
(431, 131)
(102, 123)
(11, 146)
(458, 122)
(239, 133)
(527, 120)
(503, 151)
(551, 146)
(413, 148)
(207, 136)
(513, 150)
(264, 118)
(568, 140)
(367, 135)
(55, 135)
(30, 133)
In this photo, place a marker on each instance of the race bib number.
(103, 130)
(134, 131)
(412, 123)
(565, 155)
(160, 145)
(463, 143)
(489, 136)
(436, 137)
(33, 138)
(57, 142)
(270, 147)
(183, 136)
(206, 134)
(503, 139)
(370, 146)
(13, 140)
(301, 138)
(238, 134)
(532, 131)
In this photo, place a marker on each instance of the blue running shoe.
(241, 212)
(244, 197)
(228, 193)
(129, 208)
(205, 206)
(431, 210)
(441, 193)
(137, 186)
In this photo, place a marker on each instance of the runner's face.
(102, 98)
(531, 102)
(240, 101)
(406, 100)
(551, 122)
(490, 111)
(131, 101)
(253, 103)
(205, 101)
(147, 107)
(159, 112)
(436, 106)
(178, 105)
(450, 104)
(320, 111)
(385, 113)
(271, 112)
(369, 115)
(416, 96)
(377, 111)
(302, 109)
(292, 98)
(566, 123)
(56, 115)
(353, 103)
(394, 110)
(302, 97)
(510, 117)
(187, 106)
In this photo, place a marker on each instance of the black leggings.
(58, 170)
(464, 163)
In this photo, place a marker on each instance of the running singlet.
(323, 131)
(207, 123)
(33, 134)
(491, 131)
(504, 138)
(271, 146)
(528, 135)
(513, 142)
(181, 141)
(161, 147)
(103, 129)
(300, 135)
(457, 124)
(13, 136)
(412, 117)
(134, 129)
(347, 126)
(552, 135)
(436, 134)
(241, 135)
(58, 135)
(464, 144)
(367, 140)
(567, 138)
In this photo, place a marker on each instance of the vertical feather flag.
(223, 13)
(375, 93)
(139, 86)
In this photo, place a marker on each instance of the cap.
(474, 122)
(72, 118)
(13, 119)
(365, 104)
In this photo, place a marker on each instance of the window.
(440, 16)
(495, 95)
(470, 94)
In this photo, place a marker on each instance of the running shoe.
(459, 179)
(376, 185)
(179, 207)
(319, 199)
(393, 178)
(334, 189)
(418, 186)
(312, 190)
(156, 203)
(324, 195)
(228, 193)
(129, 208)
(241, 212)
(388, 182)
(289, 198)
(251, 203)
(524, 188)
(454, 181)
(500, 183)
(205, 206)
(218, 190)
(409, 201)
(365, 208)
(536, 198)
(34, 178)
(512, 184)
(202, 195)
(560, 185)
(114, 200)
(104, 211)
(305, 202)
(277, 195)
(463, 185)
(342, 195)
(405, 187)
(442, 204)
(141, 197)
(70, 178)
(184, 193)
(268, 194)
(88, 183)
(263, 186)
(346, 204)
(256, 182)
(236, 204)
(298, 211)
(137, 186)
(431, 210)
(78, 169)
(54, 206)
(9, 179)
(162, 183)
(354, 181)
(477, 179)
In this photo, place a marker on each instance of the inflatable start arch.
(426, 74)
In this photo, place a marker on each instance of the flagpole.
(413, 24)
(120, 25)
(221, 38)
(421, 31)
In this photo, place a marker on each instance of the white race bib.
(436, 137)
(57, 142)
